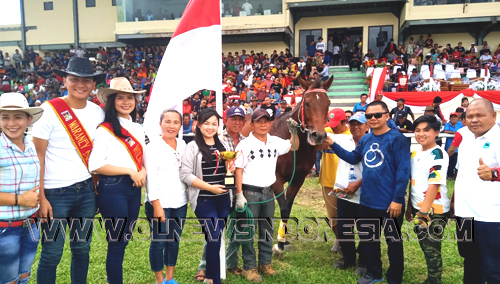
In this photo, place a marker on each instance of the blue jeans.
(213, 208)
(164, 246)
(317, 163)
(17, 251)
(74, 201)
(119, 203)
(481, 257)
(371, 248)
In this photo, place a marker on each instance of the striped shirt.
(208, 173)
(19, 172)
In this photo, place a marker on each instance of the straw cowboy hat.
(16, 101)
(117, 85)
(81, 67)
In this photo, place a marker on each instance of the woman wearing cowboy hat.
(19, 183)
(117, 156)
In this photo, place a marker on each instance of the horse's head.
(313, 109)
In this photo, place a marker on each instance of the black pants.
(481, 256)
(452, 172)
(335, 59)
(354, 64)
(345, 228)
(379, 219)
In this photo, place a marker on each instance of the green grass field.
(308, 262)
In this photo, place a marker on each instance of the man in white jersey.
(477, 195)
(63, 140)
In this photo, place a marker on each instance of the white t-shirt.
(163, 165)
(108, 150)
(429, 167)
(336, 49)
(247, 7)
(258, 159)
(475, 197)
(343, 169)
(321, 46)
(63, 165)
(301, 65)
(80, 53)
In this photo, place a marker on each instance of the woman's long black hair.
(203, 116)
(111, 115)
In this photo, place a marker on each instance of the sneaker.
(340, 264)
(267, 269)
(252, 275)
(360, 270)
(172, 281)
(367, 279)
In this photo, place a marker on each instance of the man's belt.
(252, 188)
(18, 223)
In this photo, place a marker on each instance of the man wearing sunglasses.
(385, 154)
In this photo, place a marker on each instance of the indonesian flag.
(377, 83)
(199, 33)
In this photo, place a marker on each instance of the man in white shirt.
(485, 58)
(247, 7)
(255, 173)
(477, 195)
(321, 45)
(80, 52)
(67, 190)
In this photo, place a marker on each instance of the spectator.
(348, 114)
(187, 124)
(436, 103)
(404, 125)
(405, 110)
(253, 105)
(270, 108)
(451, 127)
(324, 71)
(275, 97)
(321, 46)
(361, 106)
(186, 107)
(311, 49)
(415, 80)
(486, 57)
(354, 62)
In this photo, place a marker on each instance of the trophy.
(228, 156)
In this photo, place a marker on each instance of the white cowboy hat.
(117, 85)
(16, 101)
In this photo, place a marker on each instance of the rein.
(302, 125)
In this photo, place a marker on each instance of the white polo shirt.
(473, 196)
(63, 165)
(258, 159)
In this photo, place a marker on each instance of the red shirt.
(186, 108)
(457, 139)
(456, 55)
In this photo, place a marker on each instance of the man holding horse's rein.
(385, 153)
(254, 175)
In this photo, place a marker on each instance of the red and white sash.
(133, 146)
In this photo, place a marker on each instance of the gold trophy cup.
(228, 156)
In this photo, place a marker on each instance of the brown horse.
(311, 114)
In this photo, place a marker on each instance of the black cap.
(260, 113)
(437, 100)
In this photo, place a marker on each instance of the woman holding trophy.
(206, 178)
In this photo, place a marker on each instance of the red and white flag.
(192, 61)
(377, 83)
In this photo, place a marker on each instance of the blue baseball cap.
(359, 116)
(235, 111)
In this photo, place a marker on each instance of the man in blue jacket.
(385, 154)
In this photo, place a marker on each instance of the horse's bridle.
(302, 125)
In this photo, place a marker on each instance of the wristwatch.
(494, 174)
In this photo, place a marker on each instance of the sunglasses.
(376, 115)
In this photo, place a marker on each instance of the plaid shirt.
(19, 172)
(228, 141)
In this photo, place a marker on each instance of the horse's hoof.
(277, 252)
(336, 247)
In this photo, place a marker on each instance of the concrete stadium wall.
(97, 24)
(451, 11)
(53, 27)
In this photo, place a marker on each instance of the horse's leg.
(285, 209)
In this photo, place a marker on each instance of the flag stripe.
(199, 14)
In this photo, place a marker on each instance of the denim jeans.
(347, 209)
(371, 248)
(119, 203)
(210, 210)
(265, 244)
(75, 201)
(317, 163)
(164, 246)
(481, 256)
(17, 251)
